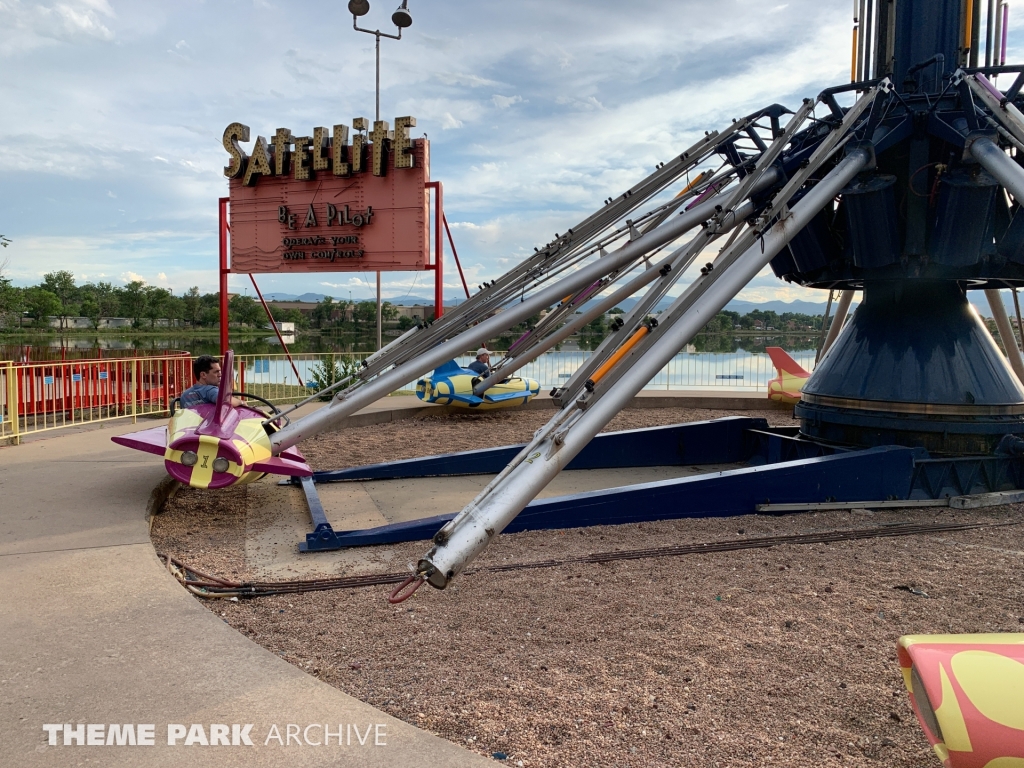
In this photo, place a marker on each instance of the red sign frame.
(328, 223)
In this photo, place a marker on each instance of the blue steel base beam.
(322, 529)
(966, 476)
(877, 473)
(719, 441)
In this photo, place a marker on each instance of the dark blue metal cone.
(915, 367)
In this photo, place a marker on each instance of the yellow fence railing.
(9, 426)
(35, 397)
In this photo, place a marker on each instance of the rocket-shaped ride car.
(217, 445)
(451, 384)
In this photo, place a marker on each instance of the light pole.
(401, 18)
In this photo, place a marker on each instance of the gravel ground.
(782, 656)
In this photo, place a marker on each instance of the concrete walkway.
(94, 631)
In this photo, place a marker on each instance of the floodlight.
(402, 18)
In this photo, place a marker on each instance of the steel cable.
(207, 585)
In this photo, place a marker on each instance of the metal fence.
(273, 377)
(35, 397)
(70, 352)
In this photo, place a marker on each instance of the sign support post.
(379, 344)
(438, 248)
(223, 209)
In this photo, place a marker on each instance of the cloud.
(504, 102)
(449, 121)
(111, 194)
(468, 80)
(85, 19)
(29, 25)
(587, 104)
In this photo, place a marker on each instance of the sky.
(110, 143)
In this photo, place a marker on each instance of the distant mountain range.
(449, 301)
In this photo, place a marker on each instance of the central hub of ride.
(916, 366)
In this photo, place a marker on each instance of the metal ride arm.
(666, 273)
(577, 242)
(352, 400)
(479, 319)
(735, 209)
(555, 445)
(585, 238)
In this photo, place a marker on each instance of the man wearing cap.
(482, 364)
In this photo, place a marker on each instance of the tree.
(729, 319)
(90, 308)
(156, 303)
(107, 298)
(174, 308)
(192, 305)
(41, 304)
(245, 310)
(291, 316)
(133, 301)
(329, 371)
(209, 315)
(388, 311)
(365, 311)
(62, 285)
(11, 298)
(404, 323)
(323, 311)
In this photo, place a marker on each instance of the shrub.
(330, 370)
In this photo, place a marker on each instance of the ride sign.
(327, 204)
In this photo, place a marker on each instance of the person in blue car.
(482, 365)
(206, 370)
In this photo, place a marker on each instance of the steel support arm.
(387, 382)
(1000, 165)
(600, 307)
(845, 299)
(995, 303)
(487, 515)
(501, 290)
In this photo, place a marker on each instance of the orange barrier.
(49, 395)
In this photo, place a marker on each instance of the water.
(37, 349)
